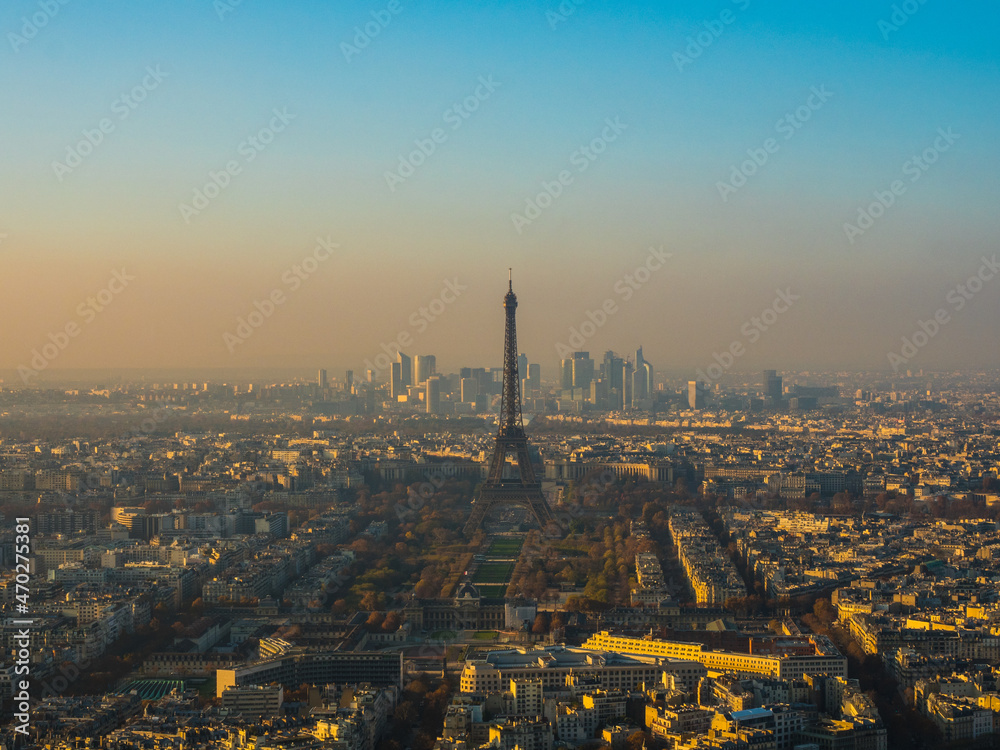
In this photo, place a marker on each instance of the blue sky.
(656, 184)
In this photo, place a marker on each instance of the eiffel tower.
(525, 490)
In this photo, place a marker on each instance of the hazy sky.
(670, 100)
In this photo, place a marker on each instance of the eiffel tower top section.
(511, 424)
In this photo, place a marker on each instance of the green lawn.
(493, 572)
(505, 547)
(485, 635)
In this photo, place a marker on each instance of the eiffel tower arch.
(524, 490)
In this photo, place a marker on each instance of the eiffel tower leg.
(479, 509)
(543, 515)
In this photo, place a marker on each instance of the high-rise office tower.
(485, 381)
(522, 366)
(627, 373)
(470, 389)
(642, 380)
(349, 381)
(424, 366)
(696, 395)
(396, 386)
(611, 371)
(566, 379)
(321, 379)
(405, 369)
(433, 395)
(599, 393)
(583, 370)
(638, 377)
(648, 384)
(533, 382)
(772, 386)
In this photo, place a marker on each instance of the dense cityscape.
(804, 561)
(560, 375)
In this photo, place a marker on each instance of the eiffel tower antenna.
(524, 490)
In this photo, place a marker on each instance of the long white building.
(826, 659)
(552, 664)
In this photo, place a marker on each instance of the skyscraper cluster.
(618, 383)
(417, 378)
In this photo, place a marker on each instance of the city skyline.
(549, 375)
(221, 157)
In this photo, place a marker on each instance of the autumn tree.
(392, 622)
(824, 611)
(406, 713)
(372, 600)
(541, 624)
